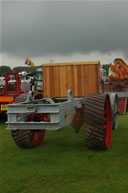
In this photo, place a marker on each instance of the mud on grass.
(63, 164)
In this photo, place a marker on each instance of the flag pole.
(24, 71)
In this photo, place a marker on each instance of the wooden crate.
(82, 78)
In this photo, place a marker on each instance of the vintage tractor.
(37, 83)
(11, 90)
(71, 95)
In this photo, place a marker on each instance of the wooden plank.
(92, 80)
(70, 76)
(52, 81)
(89, 81)
(64, 81)
(48, 82)
(82, 81)
(61, 81)
(71, 63)
(56, 82)
(44, 81)
(75, 81)
(79, 80)
(99, 78)
(86, 83)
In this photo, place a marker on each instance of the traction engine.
(87, 108)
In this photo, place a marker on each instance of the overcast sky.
(62, 31)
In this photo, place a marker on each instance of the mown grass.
(63, 164)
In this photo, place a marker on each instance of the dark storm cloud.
(44, 28)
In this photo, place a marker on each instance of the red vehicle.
(118, 82)
(11, 90)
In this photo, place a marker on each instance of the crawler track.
(98, 121)
(22, 138)
(27, 138)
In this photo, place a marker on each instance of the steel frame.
(60, 111)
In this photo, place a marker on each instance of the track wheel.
(28, 138)
(98, 121)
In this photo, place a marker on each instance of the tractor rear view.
(10, 92)
(71, 95)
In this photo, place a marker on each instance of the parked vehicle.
(118, 82)
(71, 95)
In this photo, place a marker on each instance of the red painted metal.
(15, 79)
(108, 123)
(78, 119)
(37, 117)
(116, 86)
(38, 95)
(122, 104)
(11, 89)
(37, 136)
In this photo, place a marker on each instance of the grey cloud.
(44, 28)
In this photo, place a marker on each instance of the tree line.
(7, 69)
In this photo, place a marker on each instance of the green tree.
(5, 69)
(22, 68)
(106, 67)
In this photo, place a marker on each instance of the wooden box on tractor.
(82, 78)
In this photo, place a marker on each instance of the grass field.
(63, 164)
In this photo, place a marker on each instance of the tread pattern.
(22, 138)
(94, 121)
(28, 138)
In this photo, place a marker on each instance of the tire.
(98, 121)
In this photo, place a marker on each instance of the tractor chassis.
(58, 113)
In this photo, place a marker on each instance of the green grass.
(63, 164)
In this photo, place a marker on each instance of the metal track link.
(22, 138)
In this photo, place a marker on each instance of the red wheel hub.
(37, 137)
(78, 119)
